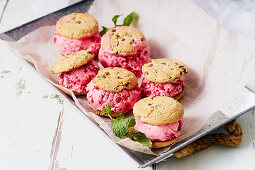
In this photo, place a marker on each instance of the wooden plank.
(28, 118)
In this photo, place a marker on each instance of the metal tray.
(217, 120)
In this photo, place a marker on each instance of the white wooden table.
(40, 131)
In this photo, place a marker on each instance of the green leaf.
(128, 20)
(107, 109)
(120, 116)
(135, 19)
(121, 127)
(104, 30)
(114, 19)
(140, 137)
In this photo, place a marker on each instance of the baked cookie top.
(71, 61)
(122, 39)
(115, 79)
(165, 71)
(159, 110)
(77, 25)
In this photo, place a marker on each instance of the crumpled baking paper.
(219, 61)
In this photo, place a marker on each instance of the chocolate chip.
(119, 77)
(117, 36)
(163, 63)
(149, 104)
(102, 77)
(180, 73)
(123, 39)
(117, 52)
(113, 30)
(90, 52)
(116, 88)
(180, 66)
(142, 39)
(176, 79)
(150, 65)
(184, 70)
(176, 63)
(78, 22)
(128, 84)
(107, 73)
(132, 42)
(146, 73)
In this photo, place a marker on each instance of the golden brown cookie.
(115, 79)
(159, 110)
(77, 25)
(71, 61)
(159, 144)
(122, 39)
(165, 71)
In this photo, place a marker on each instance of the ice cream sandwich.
(164, 77)
(160, 119)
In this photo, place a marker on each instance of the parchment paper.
(178, 29)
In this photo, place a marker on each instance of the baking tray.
(217, 120)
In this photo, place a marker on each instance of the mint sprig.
(122, 127)
(126, 22)
(104, 30)
(140, 137)
(115, 19)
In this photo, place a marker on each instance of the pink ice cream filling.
(132, 63)
(70, 46)
(160, 133)
(120, 101)
(153, 89)
(77, 79)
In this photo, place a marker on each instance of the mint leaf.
(132, 17)
(120, 116)
(140, 137)
(128, 20)
(108, 110)
(103, 31)
(121, 127)
(114, 19)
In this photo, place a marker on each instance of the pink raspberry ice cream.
(120, 101)
(77, 79)
(69, 46)
(153, 89)
(160, 133)
(132, 62)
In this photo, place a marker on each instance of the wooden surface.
(40, 131)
